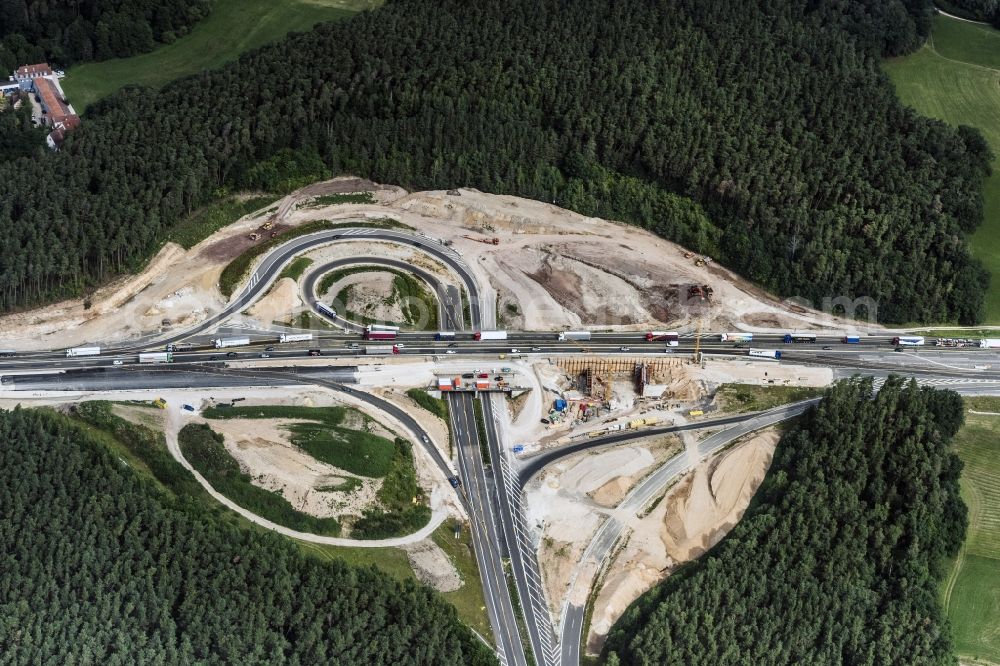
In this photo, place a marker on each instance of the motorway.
(490, 494)
(487, 539)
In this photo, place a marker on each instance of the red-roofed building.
(56, 112)
(29, 72)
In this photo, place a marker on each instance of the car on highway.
(498, 378)
(232, 355)
(400, 346)
(425, 439)
(315, 352)
(536, 349)
(269, 348)
(452, 344)
(117, 361)
(188, 408)
(265, 355)
(625, 349)
(450, 351)
(827, 348)
(213, 357)
(468, 375)
(513, 351)
(483, 375)
(353, 345)
(454, 481)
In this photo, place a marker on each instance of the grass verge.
(392, 561)
(296, 268)
(484, 444)
(738, 398)
(971, 592)
(955, 77)
(334, 199)
(205, 450)
(435, 406)
(468, 600)
(233, 26)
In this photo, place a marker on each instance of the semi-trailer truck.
(381, 350)
(736, 337)
(222, 343)
(490, 335)
(989, 343)
(380, 335)
(582, 336)
(800, 337)
(444, 335)
(156, 357)
(766, 353)
(295, 337)
(83, 351)
(672, 338)
(908, 341)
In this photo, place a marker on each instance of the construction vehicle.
(688, 255)
(267, 225)
(160, 403)
(254, 236)
(274, 234)
(488, 241)
(702, 292)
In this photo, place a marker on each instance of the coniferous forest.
(68, 32)
(99, 567)
(837, 560)
(808, 175)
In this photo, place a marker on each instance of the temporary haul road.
(490, 493)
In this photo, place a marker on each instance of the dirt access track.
(552, 269)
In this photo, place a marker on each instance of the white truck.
(381, 350)
(736, 337)
(156, 357)
(766, 353)
(989, 343)
(295, 337)
(222, 343)
(83, 351)
(490, 335)
(582, 336)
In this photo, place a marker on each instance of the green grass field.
(738, 398)
(468, 599)
(234, 26)
(956, 78)
(971, 592)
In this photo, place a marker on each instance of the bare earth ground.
(695, 515)
(263, 450)
(572, 497)
(432, 566)
(280, 302)
(551, 265)
(369, 295)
